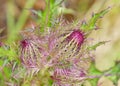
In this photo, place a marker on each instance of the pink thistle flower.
(68, 57)
(70, 72)
(32, 53)
(68, 76)
(66, 44)
(76, 35)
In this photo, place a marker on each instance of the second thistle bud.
(32, 53)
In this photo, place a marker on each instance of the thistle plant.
(58, 55)
(63, 52)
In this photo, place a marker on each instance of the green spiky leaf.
(93, 47)
(115, 73)
(91, 24)
(94, 72)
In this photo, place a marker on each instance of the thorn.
(96, 27)
(1, 44)
(33, 27)
(83, 22)
(31, 10)
(93, 14)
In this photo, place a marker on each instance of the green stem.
(14, 30)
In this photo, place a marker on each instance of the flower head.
(24, 43)
(68, 76)
(32, 53)
(69, 59)
(77, 36)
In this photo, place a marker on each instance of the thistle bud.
(77, 36)
(70, 65)
(32, 53)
